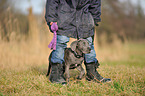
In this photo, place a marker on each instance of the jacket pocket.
(86, 22)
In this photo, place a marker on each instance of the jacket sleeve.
(51, 11)
(95, 10)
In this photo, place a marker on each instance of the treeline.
(13, 25)
(121, 20)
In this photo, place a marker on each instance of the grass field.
(23, 68)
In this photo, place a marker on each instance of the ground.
(23, 69)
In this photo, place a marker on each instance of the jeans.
(58, 54)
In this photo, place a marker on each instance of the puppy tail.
(48, 72)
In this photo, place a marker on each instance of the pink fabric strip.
(52, 44)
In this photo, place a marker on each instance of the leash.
(52, 44)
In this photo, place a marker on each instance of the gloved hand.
(97, 24)
(54, 27)
(50, 25)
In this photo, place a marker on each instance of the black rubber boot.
(92, 73)
(61, 74)
(56, 75)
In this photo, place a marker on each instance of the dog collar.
(76, 55)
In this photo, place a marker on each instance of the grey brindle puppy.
(74, 57)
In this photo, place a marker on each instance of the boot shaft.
(56, 75)
(92, 73)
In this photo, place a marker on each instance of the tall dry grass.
(22, 55)
(17, 50)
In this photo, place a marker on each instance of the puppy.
(74, 57)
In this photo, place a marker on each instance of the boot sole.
(98, 81)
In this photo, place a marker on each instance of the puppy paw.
(79, 78)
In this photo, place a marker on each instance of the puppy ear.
(73, 45)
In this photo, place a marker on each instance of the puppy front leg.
(82, 72)
(67, 72)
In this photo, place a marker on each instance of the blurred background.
(122, 19)
(24, 32)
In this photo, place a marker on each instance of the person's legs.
(58, 54)
(92, 64)
(57, 60)
(91, 57)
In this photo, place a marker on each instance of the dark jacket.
(75, 18)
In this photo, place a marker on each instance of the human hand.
(53, 26)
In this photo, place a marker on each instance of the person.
(76, 19)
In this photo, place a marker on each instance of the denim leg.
(91, 57)
(58, 54)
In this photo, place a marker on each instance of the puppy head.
(82, 45)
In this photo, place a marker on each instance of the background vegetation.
(119, 43)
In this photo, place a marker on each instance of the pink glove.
(52, 44)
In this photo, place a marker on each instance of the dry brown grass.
(22, 55)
